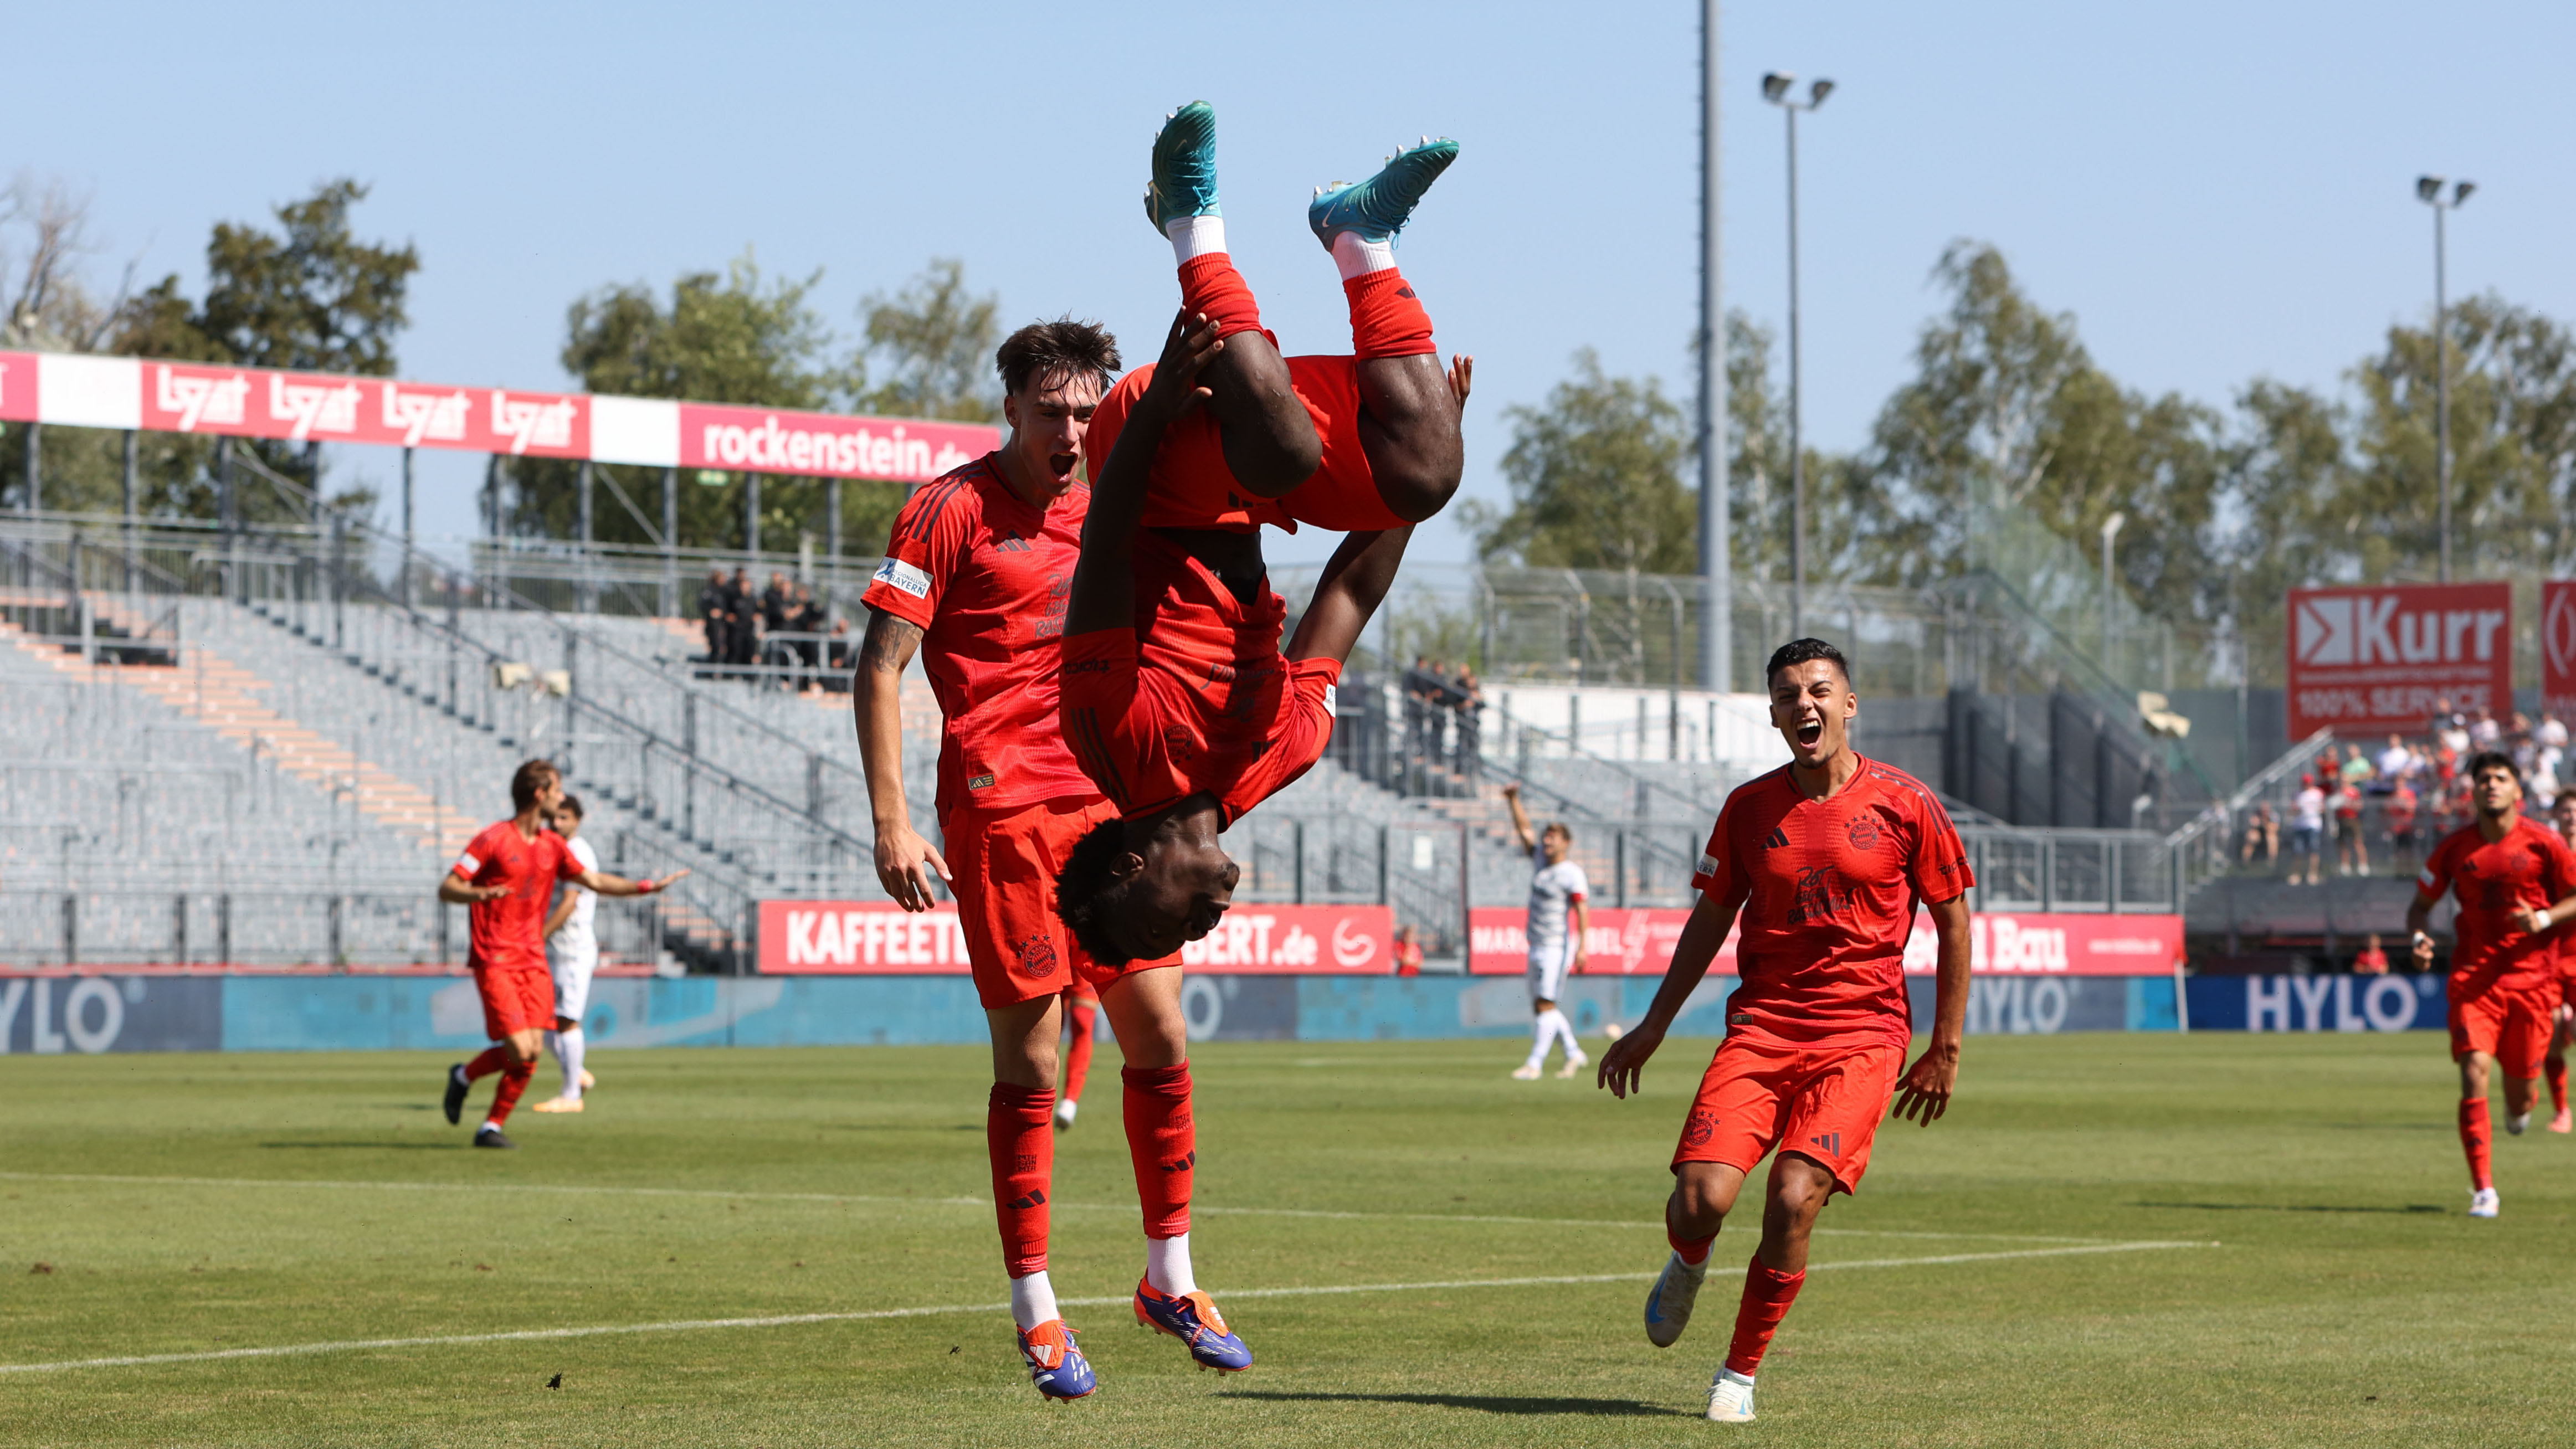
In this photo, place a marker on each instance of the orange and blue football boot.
(1193, 1319)
(1055, 1365)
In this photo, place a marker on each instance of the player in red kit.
(2515, 880)
(1827, 860)
(2562, 818)
(977, 578)
(507, 875)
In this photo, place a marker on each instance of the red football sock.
(1077, 1053)
(2474, 1142)
(1694, 1251)
(1210, 284)
(1022, 1145)
(514, 1080)
(1387, 320)
(2557, 1070)
(1768, 1292)
(492, 1059)
(1164, 1143)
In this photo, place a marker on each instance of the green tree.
(1595, 475)
(1757, 408)
(932, 343)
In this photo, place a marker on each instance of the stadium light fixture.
(1775, 89)
(2428, 190)
(1775, 85)
(1817, 92)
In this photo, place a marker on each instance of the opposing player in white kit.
(572, 954)
(1557, 891)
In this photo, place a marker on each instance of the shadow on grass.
(2279, 1207)
(370, 1146)
(1482, 1403)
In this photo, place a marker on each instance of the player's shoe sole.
(494, 1137)
(1669, 1302)
(1573, 1064)
(457, 1087)
(1056, 1364)
(1730, 1398)
(1378, 208)
(556, 1104)
(1193, 1319)
(2484, 1203)
(1525, 1072)
(1184, 179)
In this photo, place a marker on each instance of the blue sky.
(2218, 192)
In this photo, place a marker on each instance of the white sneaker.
(1525, 1072)
(1064, 1111)
(1730, 1398)
(1573, 1064)
(2482, 1203)
(2518, 1125)
(1668, 1303)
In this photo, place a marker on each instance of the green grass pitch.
(2333, 1291)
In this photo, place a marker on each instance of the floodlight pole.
(1775, 89)
(1716, 513)
(2428, 189)
(2110, 530)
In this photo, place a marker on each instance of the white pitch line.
(789, 1320)
(970, 1202)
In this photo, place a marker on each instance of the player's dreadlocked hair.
(531, 778)
(1055, 352)
(1800, 651)
(1087, 894)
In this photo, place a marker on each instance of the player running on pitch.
(506, 876)
(1178, 700)
(572, 958)
(1827, 859)
(2515, 879)
(1081, 1021)
(1557, 891)
(2562, 818)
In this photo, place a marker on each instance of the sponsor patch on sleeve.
(2425, 876)
(1332, 699)
(1708, 865)
(466, 864)
(904, 576)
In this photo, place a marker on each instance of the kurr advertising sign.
(2379, 660)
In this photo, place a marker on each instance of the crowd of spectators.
(2398, 799)
(1443, 725)
(779, 634)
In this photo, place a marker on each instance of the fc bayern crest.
(1864, 832)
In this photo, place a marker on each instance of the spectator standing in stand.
(740, 604)
(2403, 843)
(718, 620)
(2308, 831)
(2393, 763)
(1471, 727)
(2352, 853)
(2484, 732)
(2372, 961)
(1408, 952)
(2262, 833)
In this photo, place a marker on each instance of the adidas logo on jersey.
(1777, 839)
(1010, 543)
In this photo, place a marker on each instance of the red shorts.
(1192, 487)
(2509, 1023)
(1005, 863)
(515, 999)
(1822, 1101)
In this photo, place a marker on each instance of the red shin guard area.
(2474, 1141)
(1018, 1134)
(1387, 319)
(1210, 284)
(1077, 1052)
(491, 1059)
(514, 1080)
(1162, 1139)
(1768, 1292)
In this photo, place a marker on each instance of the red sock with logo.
(1077, 1053)
(514, 1080)
(1163, 1141)
(1694, 1251)
(2556, 1067)
(1387, 319)
(1768, 1292)
(2474, 1141)
(1210, 284)
(491, 1059)
(1020, 1137)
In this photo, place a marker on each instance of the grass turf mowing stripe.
(973, 1202)
(789, 1320)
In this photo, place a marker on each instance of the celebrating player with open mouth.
(506, 875)
(1828, 859)
(2515, 880)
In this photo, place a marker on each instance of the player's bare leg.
(1409, 404)
(1703, 1194)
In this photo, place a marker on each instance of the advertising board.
(879, 938)
(1641, 941)
(2378, 660)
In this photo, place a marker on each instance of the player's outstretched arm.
(1623, 1066)
(1355, 582)
(618, 885)
(904, 860)
(1520, 818)
(1104, 579)
(1923, 1094)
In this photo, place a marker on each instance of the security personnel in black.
(711, 609)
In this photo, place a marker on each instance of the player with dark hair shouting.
(506, 876)
(2515, 880)
(1827, 859)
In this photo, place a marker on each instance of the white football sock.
(568, 1049)
(1357, 257)
(1167, 1265)
(1541, 1033)
(1033, 1300)
(488, 1126)
(1195, 236)
(1565, 1030)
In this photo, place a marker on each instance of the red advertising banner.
(2558, 648)
(762, 440)
(1640, 943)
(18, 387)
(2377, 660)
(253, 402)
(880, 938)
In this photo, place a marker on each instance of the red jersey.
(508, 932)
(986, 577)
(2530, 869)
(1830, 889)
(1196, 695)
